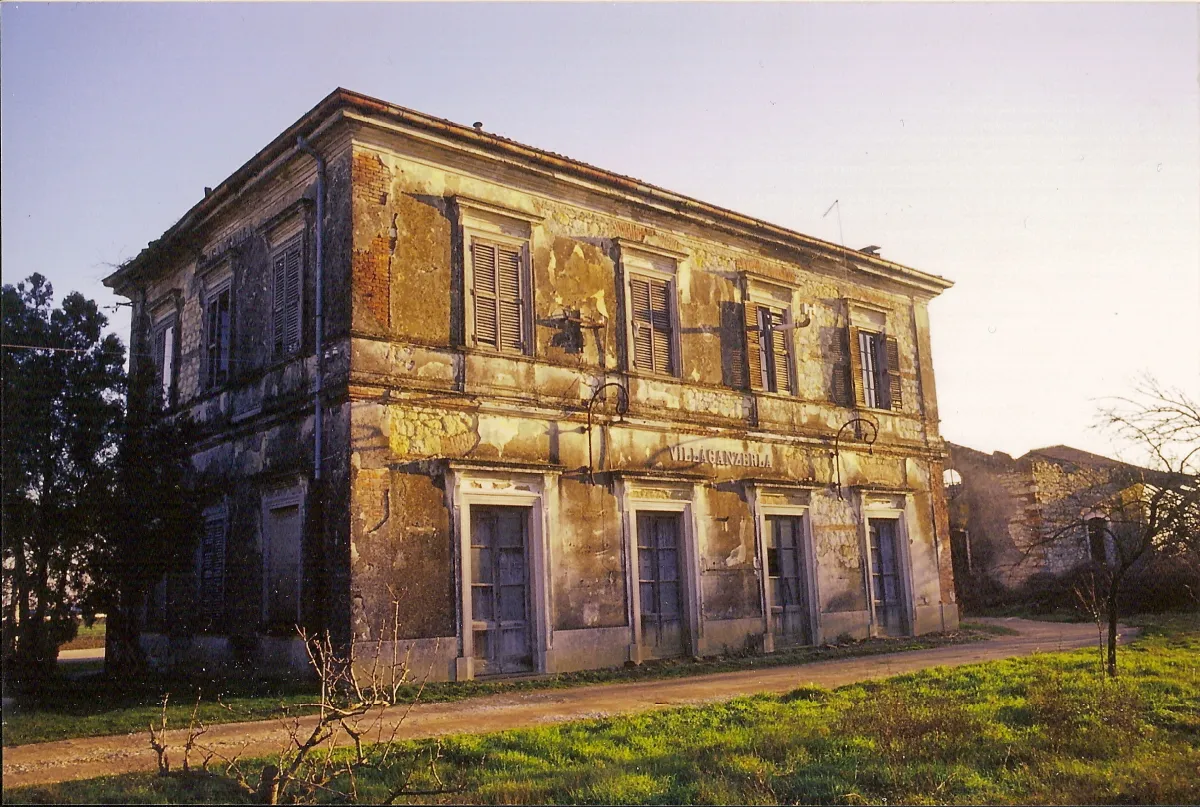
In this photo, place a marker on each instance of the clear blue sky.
(1046, 158)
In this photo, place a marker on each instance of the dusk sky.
(1045, 158)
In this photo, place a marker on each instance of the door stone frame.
(780, 500)
(667, 496)
(538, 492)
(891, 506)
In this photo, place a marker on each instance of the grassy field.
(89, 705)
(88, 637)
(1041, 729)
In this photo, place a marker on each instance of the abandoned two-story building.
(531, 415)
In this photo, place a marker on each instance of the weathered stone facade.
(1006, 514)
(561, 441)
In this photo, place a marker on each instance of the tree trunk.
(123, 654)
(1112, 632)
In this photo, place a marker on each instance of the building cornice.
(343, 103)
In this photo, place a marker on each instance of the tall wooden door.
(887, 589)
(503, 633)
(664, 630)
(788, 596)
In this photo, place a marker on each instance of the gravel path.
(83, 758)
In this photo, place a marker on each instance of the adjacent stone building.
(1004, 512)
(533, 415)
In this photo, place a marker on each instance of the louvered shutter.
(856, 366)
(780, 353)
(754, 352)
(160, 354)
(212, 336)
(660, 312)
(223, 346)
(841, 388)
(279, 304)
(212, 567)
(483, 271)
(510, 298)
(292, 302)
(895, 395)
(643, 340)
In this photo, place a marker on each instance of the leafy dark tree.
(1132, 516)
(63, 381)
(152, 520)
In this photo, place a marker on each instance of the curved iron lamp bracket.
(837, 443)
(622, 408)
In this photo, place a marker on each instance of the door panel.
(788, 581)
(284, 541)
(663, 626)
(500, 590)
(886, 585)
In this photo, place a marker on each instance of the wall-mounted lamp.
(393, 234)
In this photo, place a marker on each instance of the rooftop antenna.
(841, 237)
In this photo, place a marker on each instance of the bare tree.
(362, 703)
(1130, 515)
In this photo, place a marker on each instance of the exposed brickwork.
(372, 279)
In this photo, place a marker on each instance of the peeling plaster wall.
(588, 573)
(255, 432)
(1009, 506)
(422, 396)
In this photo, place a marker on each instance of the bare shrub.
(903, 728)
(1096, 718)
(360, 708)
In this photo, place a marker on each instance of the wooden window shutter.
(224, 304)
(211, 335)
(754, 350)
(212, 566)
(279, 305)
(643, 340)
(892, 356)
(483, 271)
(160, 351)
(512, 337)
(842, 389)
(856, 367)
(292, 299)
(660, 311)
(779, 354)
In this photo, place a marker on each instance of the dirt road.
(97, 756)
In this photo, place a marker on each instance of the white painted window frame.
(489, 222)
(538, 492)
(760, 510)
(871, 506)
(758, 291)
(655, 263)
(680, 498)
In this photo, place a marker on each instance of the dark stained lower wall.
(588, 570)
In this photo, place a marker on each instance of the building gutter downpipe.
(318, 340)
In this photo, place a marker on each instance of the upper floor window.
(769, 336)
(218, 321)
(163, 345)
(286, 302)
(866, 362)
(651, 313)
(499, 295)
(498, 309)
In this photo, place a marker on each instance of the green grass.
(81, 703)
(88, 637)
(1041, 729)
